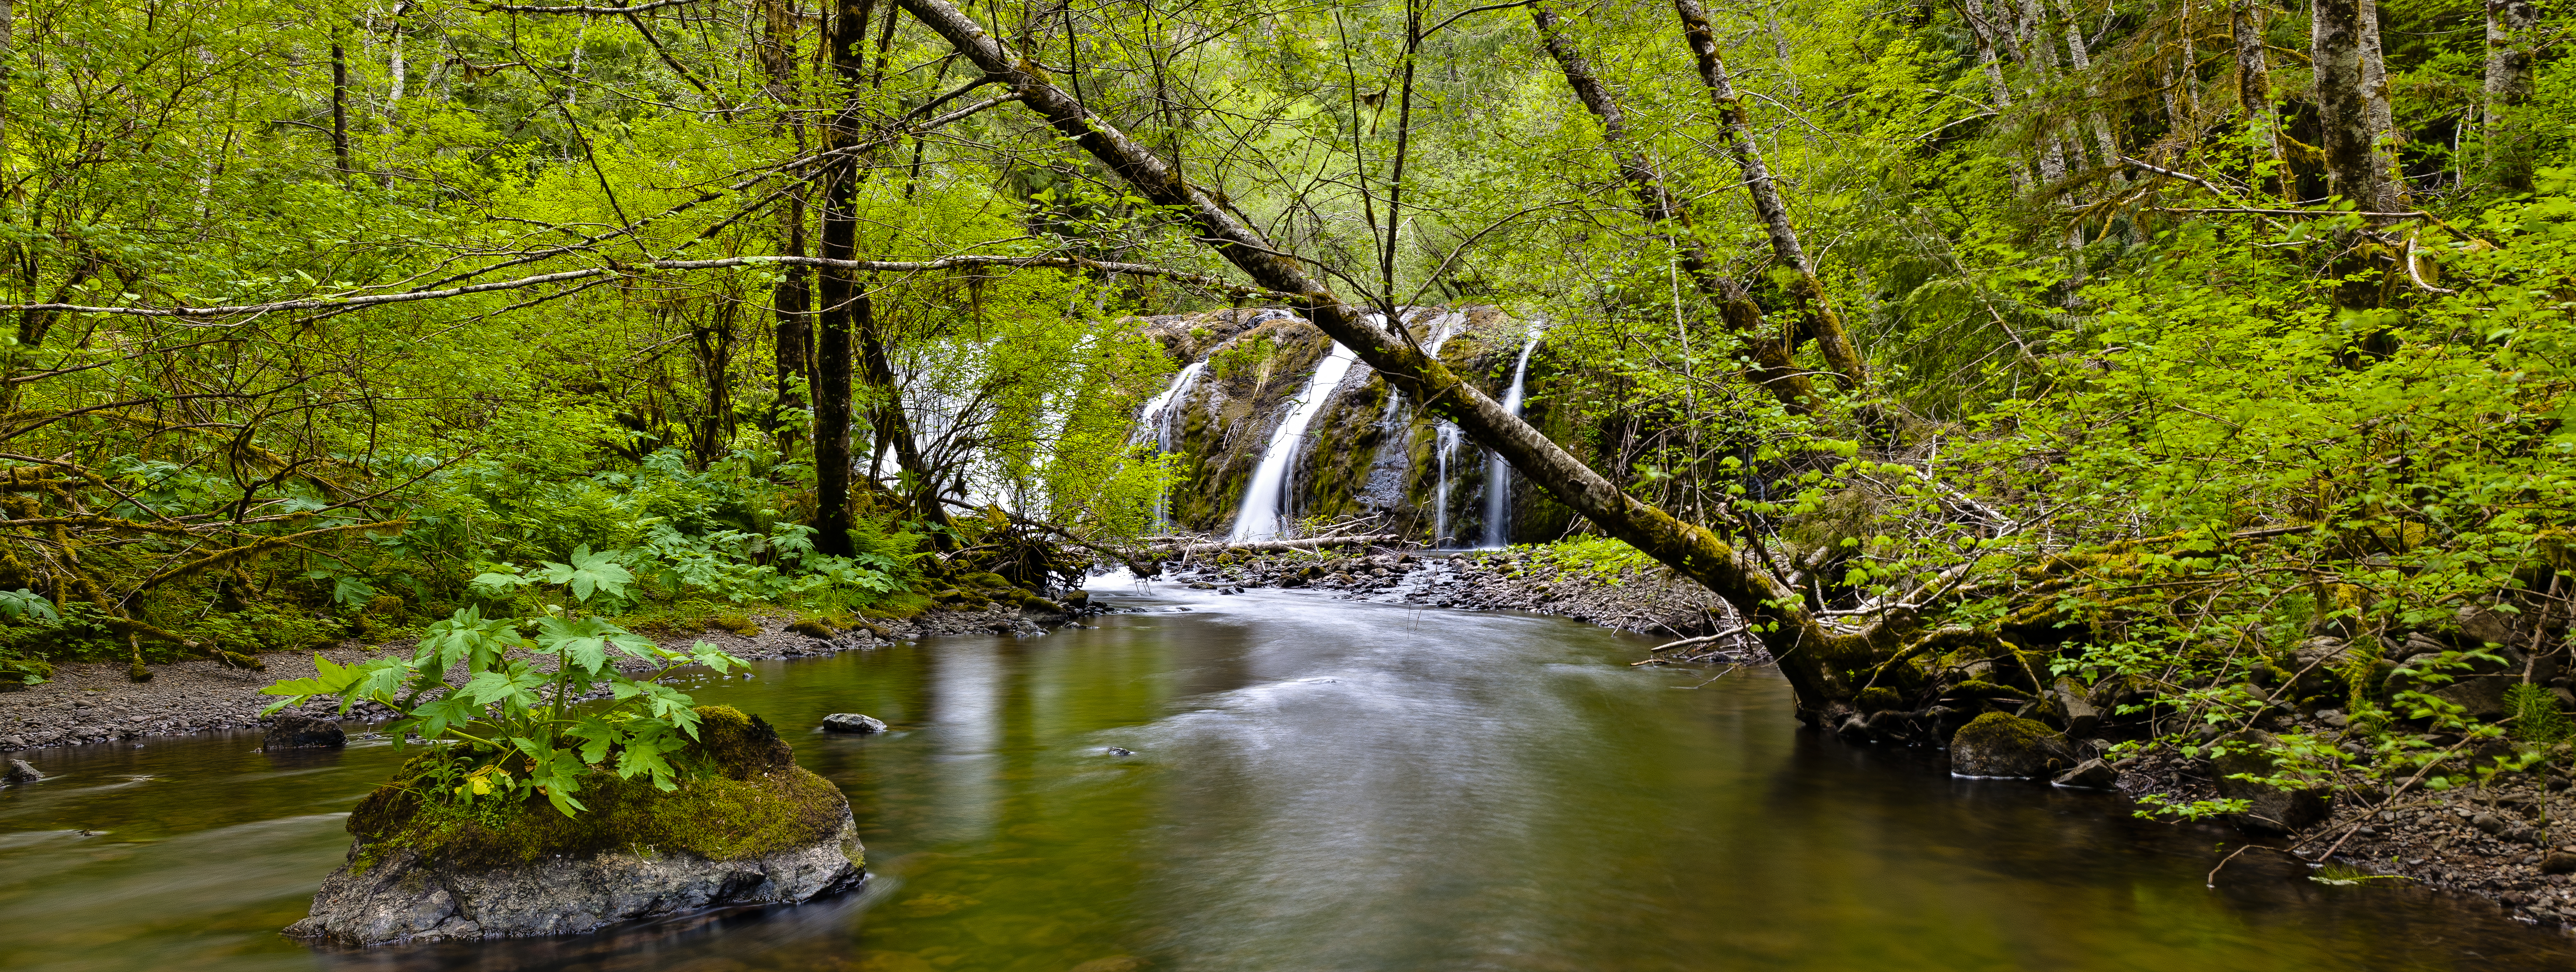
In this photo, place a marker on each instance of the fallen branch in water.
(1270, 546)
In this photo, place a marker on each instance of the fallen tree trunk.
(1273, 546)
(1816, 659)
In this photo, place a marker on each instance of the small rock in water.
(2092, 774)
(852, 722)
(1115, 751)
(295, 730)
(19, 772)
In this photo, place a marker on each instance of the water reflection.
(1312, 785)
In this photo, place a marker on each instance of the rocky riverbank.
(95, 702)
(1647, 600)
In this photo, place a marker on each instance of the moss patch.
(742, 796)
(1998, 732)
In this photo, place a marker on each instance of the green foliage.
(514, 722)
(2535, 715)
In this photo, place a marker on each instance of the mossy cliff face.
(746, 826)
(1367, 451)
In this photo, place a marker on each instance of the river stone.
(2002, 746)
(2075, 708)
(2092, 774)
(2477, 688)
(19, 772)
(2269, 810)
(403, 898)
(745, 827)
(852, 722)
(2558, 862)
(295, 730)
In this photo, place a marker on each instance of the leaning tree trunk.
(843, 38)
(2513, 36)
(1772, 367)
(1817, 660)
(1815, 310)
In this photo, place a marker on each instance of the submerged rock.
(747, 826)
(1999, 745)
(852, 722)
(295, 730)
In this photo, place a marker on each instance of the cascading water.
(1498, 474)
(1258, 518)
(1162, 414)
(1445, 435)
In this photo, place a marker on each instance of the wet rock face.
(296, 730)
(1999, 745)
(404, 898)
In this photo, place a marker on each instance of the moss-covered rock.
(745, 826)
(1999, 745)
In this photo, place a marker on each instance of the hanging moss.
(741, 795)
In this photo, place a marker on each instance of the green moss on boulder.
(741, 795)
(1999, 745)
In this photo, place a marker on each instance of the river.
(1309, 784)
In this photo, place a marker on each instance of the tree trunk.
(1772, 367)
(2335, 51)
(2254, 94)
(1998, 91)
(1815, 309)
(842, 298)
(792, 300)
(2039, 66)
(1815, 659)
(340, 106)
(2389, 187)
(2513, 29)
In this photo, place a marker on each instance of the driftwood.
(1271, 546)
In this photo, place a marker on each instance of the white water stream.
(1264, 498)
(1498, 474)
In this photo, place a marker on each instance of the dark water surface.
(1315, 785)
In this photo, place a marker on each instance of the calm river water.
(1314, 784)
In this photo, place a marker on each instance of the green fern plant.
(2535, 715)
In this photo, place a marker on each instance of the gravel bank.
(94, 702)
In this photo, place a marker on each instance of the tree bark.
(2390, 186)
(792, 299)
(2513, 29)
(1815, 659)
(1772, 367)
(1998, 91)
(842, 299)
(2254, 93)
(2335, 51)
(340, 106)
(1815, 309)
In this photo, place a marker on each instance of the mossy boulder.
(1999, 745)
(746, 826)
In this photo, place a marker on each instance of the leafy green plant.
(2535, 714)
(515, 716)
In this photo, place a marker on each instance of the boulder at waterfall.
(747, 826)
(1365, 450)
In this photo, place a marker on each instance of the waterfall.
(1445, 434)
(1161, 414)
(1498, 474)
(1264, 496)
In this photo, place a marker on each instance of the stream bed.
(1309, 784)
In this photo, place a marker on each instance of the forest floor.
(2494, 842)
(90, 702)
